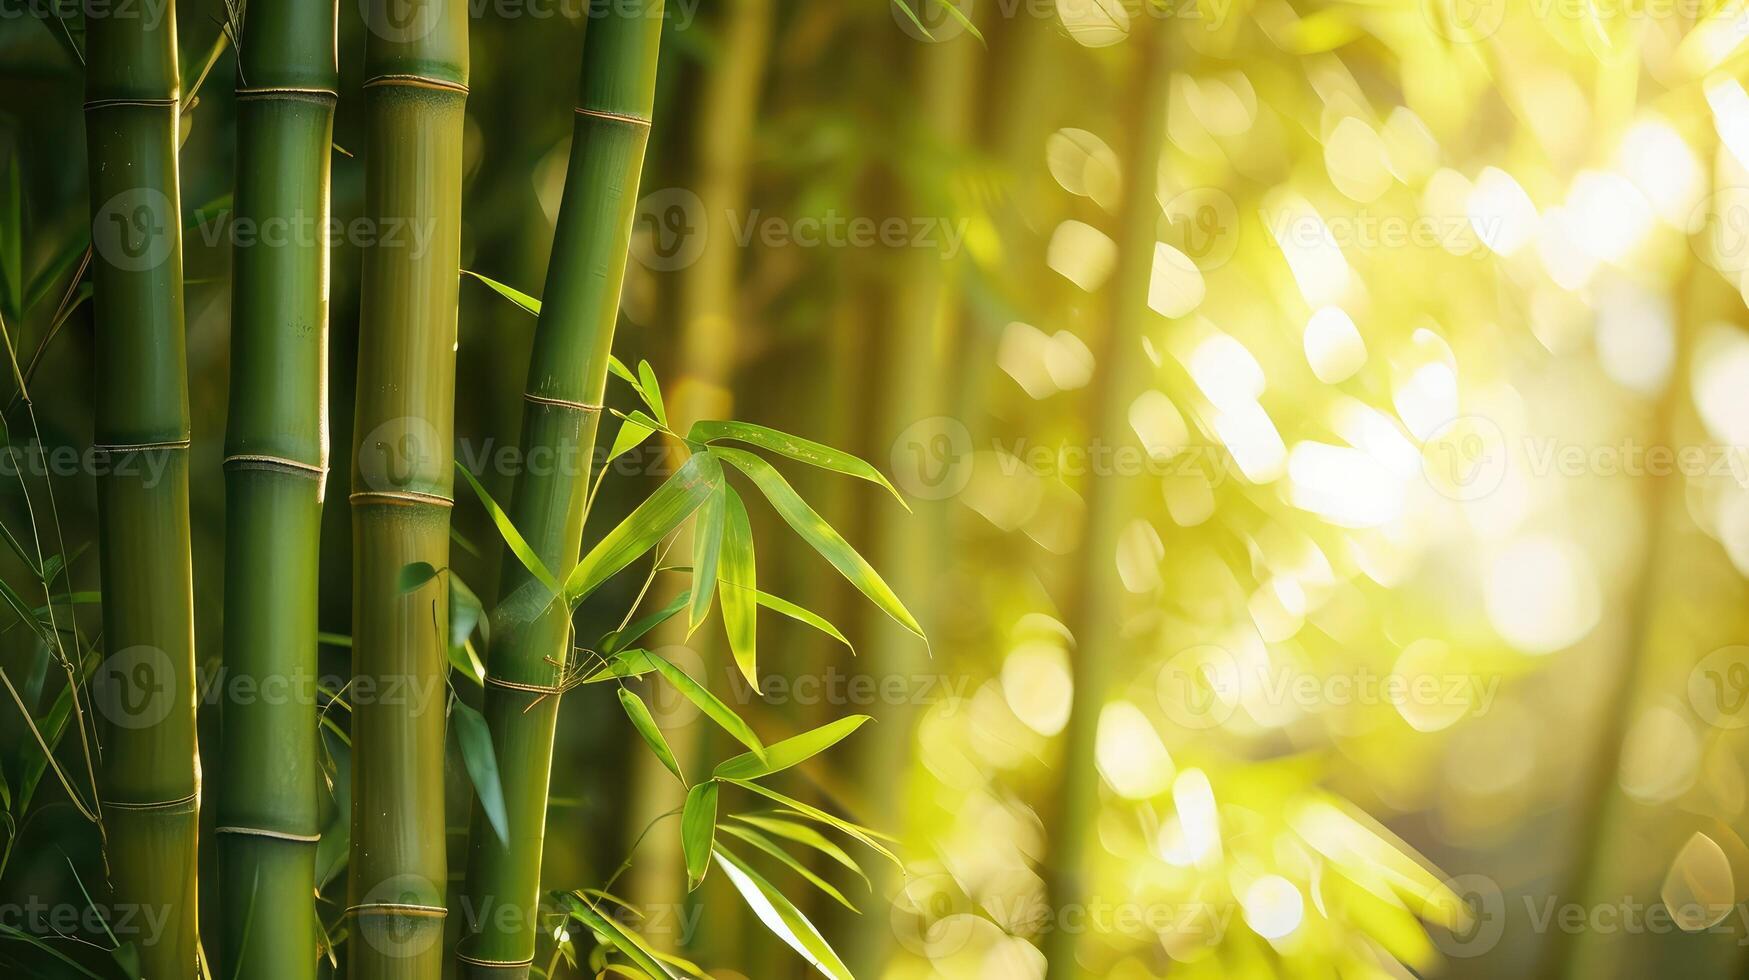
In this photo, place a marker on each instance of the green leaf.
(673, 502)
(791, 751)
(475, 740)
(11, 236)
(707, 544)
(954, 11)
(619, 937)
(783, 857)
(618, 369)
(737, 584)
(856, 831)
(708, 703)
(780, 915)
(796, 448)
(465, 614)
(814, 530)
(698, 831)
(801, 615)
(512, 537)
(621, 638)
(42, 286)
(514, 295)
(414, 574)
(911, 15)
(652, 392)
(622, 665)
(639, 713)
(631, 435)
(805, 835)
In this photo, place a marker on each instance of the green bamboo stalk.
(276, 459)
(415, 91)
(150, 777)
(1093, 612)
(567, 380)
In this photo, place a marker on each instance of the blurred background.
(1326, 430)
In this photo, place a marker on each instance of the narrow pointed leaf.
(652, 392)
(780, 915)
(414, 574)
(796, 448)
(791, 751)
(673, 502)
(631, 435)
(647, 728)
(698, 831)
(707, 702)
(512, 537)
(801, 615)
(814, 530)
(511, 293)
(619, 937)
(707, 544)
(475, 740)
(805, 835)
(623, 665)
(783, 857)
(738, 585)
(859, 833)
(634, 631)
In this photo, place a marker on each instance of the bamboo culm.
(144, 689)
(415, 91)
(276, 457)
(567, 380)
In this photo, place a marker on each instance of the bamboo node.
(544, 690)
(624, 117)
(123, 103)
(255, 461)
(417, 81)
(321, 95)
(138, 446)
(188, 802)
(493, 964)
(403, 497)
(394, 908)
(561, 402)
(274, 834)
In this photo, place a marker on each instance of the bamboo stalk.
(415, 90)
(567, 380)
(1093, 611)
(150, 776)
(276, 459)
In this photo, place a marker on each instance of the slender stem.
(276, 458)
(145, 693)
(567, 379)
(415, 90)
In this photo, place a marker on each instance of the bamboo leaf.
(465, 613)
(512, 537)
(780, 915)
(805, 835)
(738, 586)
(783, 857)
(623, 665)
(414, 574)
(619, 937)
(911, 15)
(661, 513)
(698, 831)
(707, 544)
(619, 639)
(856, 831)
(652, 392)
(11, 236)
(531, 305)
(707, 702)
(631, 435)
(639, 713)
(475, 739)
(796, 448)
(954, 11)
(42, 286)
(791, 751)
(799, 614)
(819, 534)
